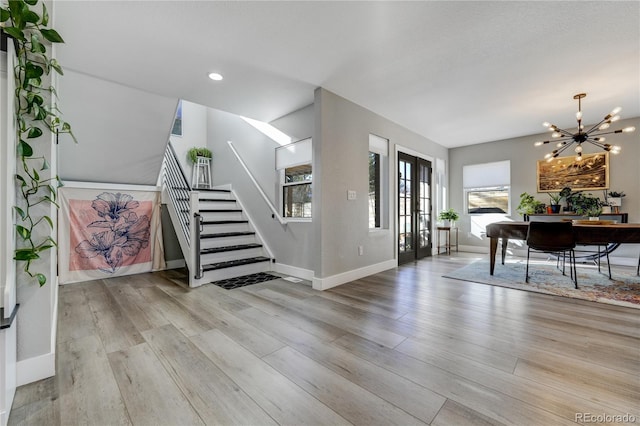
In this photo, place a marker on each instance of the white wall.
(291, 244)
(624, 175)
(340, 163)
(122, 132)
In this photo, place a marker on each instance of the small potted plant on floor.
(448, 217)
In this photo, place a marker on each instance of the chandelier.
(564, 139)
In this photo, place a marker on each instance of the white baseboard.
(345, 277)
(294, 271)
(37, 368)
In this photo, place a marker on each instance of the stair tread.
(227, 234)
(230, 248)
(216, 200)
(223, 222)
(232, 263)
(220, 210)
(226, 191)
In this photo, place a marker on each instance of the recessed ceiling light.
(215, 76)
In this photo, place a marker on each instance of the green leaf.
(45, 164)
(30, 16)
(46, 197)
(52, 190)
(23, 232)
(4, 15)
(25, 254)
(31, 2)
(33, 71)
(44, 247)
(51, 35)
(56, 66)
(21, 179)
(36, 176)
(17, 8)
(48, 219)
(36, 46)
(21, 212)
(45, 16)
(42, 280)
(24, 149)
(66, 127)
(15, 33)
(34, 132)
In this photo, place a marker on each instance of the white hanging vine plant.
(35, 114)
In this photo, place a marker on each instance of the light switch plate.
(351, 194)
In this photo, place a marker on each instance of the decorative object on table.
(594, 135)
(529, 205)
(623, 289)
(201, 172)
(591, 172)
(586, 205)
(614, 200)
(554, 202)
(448, 217)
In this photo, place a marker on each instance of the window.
(486, 187)
(296, 176)
(296, 191)
(176, 130)
(378, 182)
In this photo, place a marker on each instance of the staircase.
(229, 245)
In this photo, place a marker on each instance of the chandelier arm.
(563, 148)
(596, 143)
(564, 132)
(597, 125)
(605, 133)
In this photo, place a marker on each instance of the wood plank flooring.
(405, 347)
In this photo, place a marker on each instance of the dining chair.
(555, 238)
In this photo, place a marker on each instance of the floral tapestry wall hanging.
(107, 233)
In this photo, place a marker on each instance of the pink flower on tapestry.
(109, 232)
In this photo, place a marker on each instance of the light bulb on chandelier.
(593, 136)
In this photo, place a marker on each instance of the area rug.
(237, 282)
(623, 289)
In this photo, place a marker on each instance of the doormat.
(623, 289)
(237, 282)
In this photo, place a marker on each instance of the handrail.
(179, 165)
(274, 210)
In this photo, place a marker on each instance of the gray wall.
(122, 132)
(340, 163)
(624, 174)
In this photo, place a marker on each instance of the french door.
(414, 208)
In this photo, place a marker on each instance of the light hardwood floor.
(405, 346)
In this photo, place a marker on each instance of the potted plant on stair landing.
(201, 172)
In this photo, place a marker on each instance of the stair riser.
(215, 195)
(231, 255)
(237, 271)
(226, 241)
(218, 205)
(221, 215)
(227, 227)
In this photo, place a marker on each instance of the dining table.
(585, 234)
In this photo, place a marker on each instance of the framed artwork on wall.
(588, 174)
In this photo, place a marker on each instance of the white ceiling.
(458, 73)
